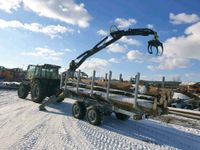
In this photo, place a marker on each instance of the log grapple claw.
(155, 43)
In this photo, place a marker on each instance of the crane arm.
(116, 35)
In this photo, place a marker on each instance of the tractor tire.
(121, 116)
(78, 110)
(37, 92)
(22, 91)
(94, 116)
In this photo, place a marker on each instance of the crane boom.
(116, 35)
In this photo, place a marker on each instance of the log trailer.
(94, 102)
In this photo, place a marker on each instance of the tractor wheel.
(78, 110)
(121, 116)
(37, 92)
(93, 116)
(23, 91)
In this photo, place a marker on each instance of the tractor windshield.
(42, 72)
(52, 73)
(30, 72)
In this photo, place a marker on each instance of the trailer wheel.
(23, 91)
(121, 116)
(93, 116)
(78, 110)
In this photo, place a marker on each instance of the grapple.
(155, 43)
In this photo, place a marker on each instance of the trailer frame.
(104, 108)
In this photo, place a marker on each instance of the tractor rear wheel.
(23, 91)
(37, 92)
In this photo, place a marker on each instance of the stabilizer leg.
(52, 99)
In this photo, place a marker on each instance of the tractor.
(41, 81)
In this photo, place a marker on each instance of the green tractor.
(41, 81)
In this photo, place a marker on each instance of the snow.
(180, 122)
(22, 126)
(180, 96)
(17, 83)
(188, 83)
(142, 89)
(9, 85)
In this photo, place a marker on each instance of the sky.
(57, 31)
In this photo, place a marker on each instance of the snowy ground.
(22, 126)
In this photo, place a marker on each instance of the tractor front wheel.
(23, 91)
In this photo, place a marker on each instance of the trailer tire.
(78, 110)
(121, 116)
(22, 91)
(93, 116)
(37, 92)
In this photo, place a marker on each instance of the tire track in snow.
(31, 138)
(19, 112)
(68, 138)
(7, 117)
(60, 134)
(19, 122)
(69, 133)
(74, 134)
(106, 139)
(56, 136)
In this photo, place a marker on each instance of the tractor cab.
(45, 71)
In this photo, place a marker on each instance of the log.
(126, 86)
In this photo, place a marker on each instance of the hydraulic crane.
(116, 35)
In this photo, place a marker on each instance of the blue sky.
(52, 31)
